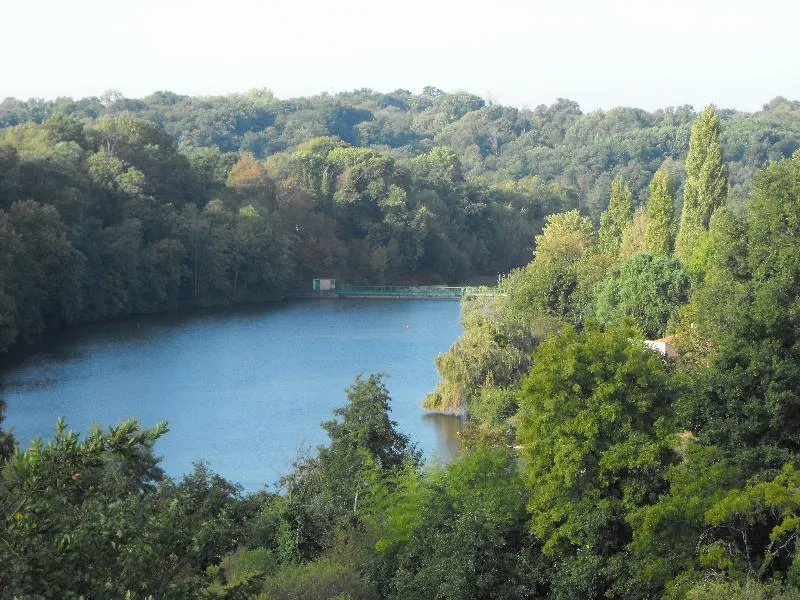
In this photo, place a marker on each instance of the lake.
(243, 389)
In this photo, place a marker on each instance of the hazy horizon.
(488, 98)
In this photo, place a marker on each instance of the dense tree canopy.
(704, 502)
(107, 218)
(590, 406)
(167, 200)
(648, 288)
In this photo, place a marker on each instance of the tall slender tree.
(660, 233)
(706, 184)
(633, 234)
(614, 220)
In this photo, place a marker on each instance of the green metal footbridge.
(423, 292)
(432, 292)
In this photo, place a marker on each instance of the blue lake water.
(243, 389)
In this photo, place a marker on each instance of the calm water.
(243, 389)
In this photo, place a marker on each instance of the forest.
(592, 466)
(112, 206)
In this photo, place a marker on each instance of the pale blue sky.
(602, 53)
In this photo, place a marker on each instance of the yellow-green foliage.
(322, 579)
(633, 235)
(492, 349)
(706, 185)
(774, 503)
(614, 220)
(660, 233)
(588, 408)
(734, 590)
(242, 571)
(448, 398)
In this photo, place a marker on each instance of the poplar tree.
(706, 185)
(660, 232)
(633, 235)
(614, 220)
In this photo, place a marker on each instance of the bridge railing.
(479, 291)
(401, 291)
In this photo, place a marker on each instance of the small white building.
(323, 285)
(663, 346)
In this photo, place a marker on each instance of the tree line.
(107, 218)
(113, 206)
(559, 143)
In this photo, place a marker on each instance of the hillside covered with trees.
(112, 206)
(592, 466)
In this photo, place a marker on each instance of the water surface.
(242, 389)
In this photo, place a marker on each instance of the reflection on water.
(448, 431)
(244, 389)
(29, 385)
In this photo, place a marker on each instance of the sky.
(602, 53)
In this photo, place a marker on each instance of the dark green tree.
(45, 274)
(96, 517)
(70, 514)
(746, 402)
(462, 533)
(649, 288)
(337, 486)
(590, 409)
(364, 424)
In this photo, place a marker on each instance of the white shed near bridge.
(323, 285)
